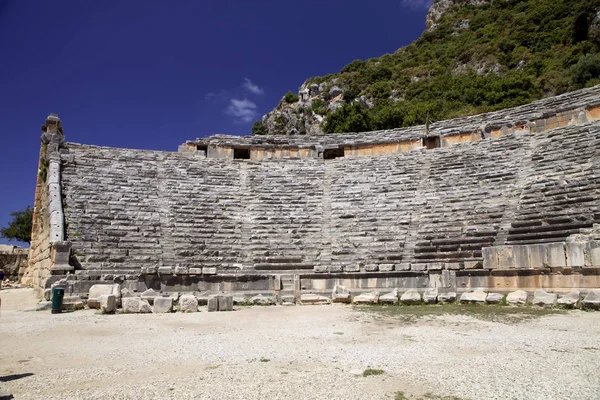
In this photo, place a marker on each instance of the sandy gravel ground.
(302, 352)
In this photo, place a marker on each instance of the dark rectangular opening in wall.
(241, 154)
(202, 149)
(432, 142)
(330, 154)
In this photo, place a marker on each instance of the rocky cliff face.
(474, 56)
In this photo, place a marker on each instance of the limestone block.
(135, 305)
(366, 298)
(181, 270)
(543, 298)
(386, 267)
(320, 269)
(518, 297)
(371, 267)
(162, 305)
(108, 303)
(435, 266)
(352, 268)
(475, 297)
(225, 302)
(453, 266)
(340, 294)
(195, 271)
(410, 297)
(473, 264)
(209, 270)
(592, 300)
(98, 290)
(335, 268)
(575, 254)
(72, 303)
(592, 254)
(521, 257)
(213, 303)
(402, 267)
(490, 257)
(263, 300)
(174, 296)
(310, 298)
(165, 270)
(570, 300)
(149, 295)
(127, 293)
(537, 256)
(390, 298)
(418, 267)
(448, 297)
(494, 298)
(505, 256)
(430, 296)
(555, 255)
(188, 303)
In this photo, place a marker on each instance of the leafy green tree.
(20, 226)
(348, 118)
(586, 69)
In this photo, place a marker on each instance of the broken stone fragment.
(188, 303)
(366, 298)
(263, 300)
(390, 298)
(411, 297)
(544, 299)
(98, 290)
(570, 300)
(73, 303)
(108, 303)
(592, 300)
(475, 297)
(340, 294)
(310, 298)
(133, 305)
(448, 297)
(430, 296)
(150, 295)
(518, 297)
(162, 305)
(494, 298)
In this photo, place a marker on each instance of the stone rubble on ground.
(410, 297)
(518, 298)
(543, 299)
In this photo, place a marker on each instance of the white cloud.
(417, 4)
(252, 87)
(243, 111)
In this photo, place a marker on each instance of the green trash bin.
(57, 299)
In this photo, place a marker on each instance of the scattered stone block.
(73, 303)
(263, 300)
(127, 293)
(544, 299)
(430, 296)
(188, 303)
(134, 305)
(494, 298)
(310, 298)
(162, 305)
(149, 295)
(411, 297)
(592, 300)
(340, 294)
(570, 300)
(98, 290)
(225, 302)
(475, 297)
(390, 298)
(366, 298)
(213, 303)
(448, 297)
(517, 298)
(108, 303)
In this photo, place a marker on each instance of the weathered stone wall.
(12, 259)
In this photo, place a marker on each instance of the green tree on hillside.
(20, 226)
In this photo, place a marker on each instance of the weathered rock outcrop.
(12, 260)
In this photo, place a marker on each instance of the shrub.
(259, 128)
(586, 69)
(318, 106)
(291, 97)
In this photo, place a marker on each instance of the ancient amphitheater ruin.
(496, 202)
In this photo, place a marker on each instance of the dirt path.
(310, 352)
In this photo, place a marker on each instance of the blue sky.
(153, 74)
